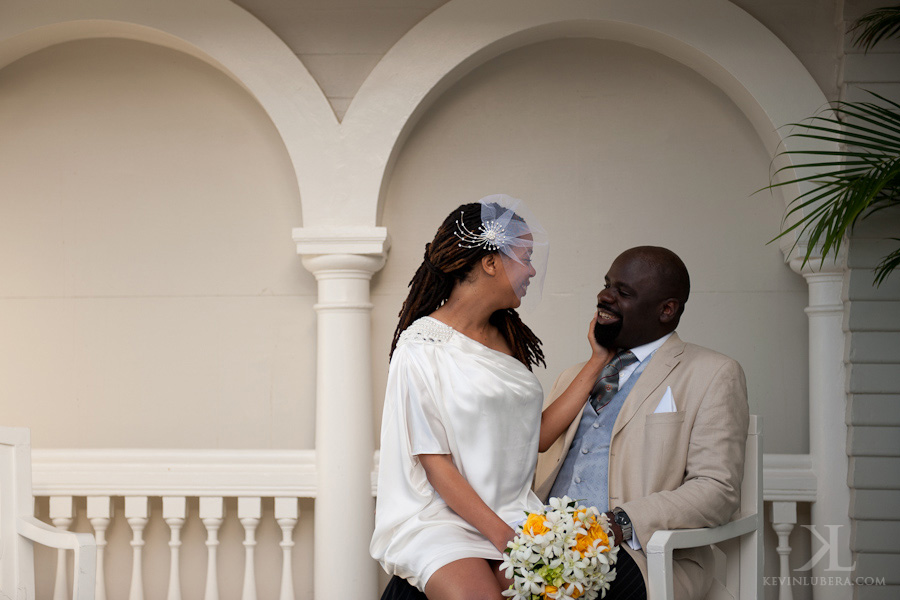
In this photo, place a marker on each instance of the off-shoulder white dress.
(448, 394)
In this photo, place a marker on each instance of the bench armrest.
(83, 544)
(662, 543)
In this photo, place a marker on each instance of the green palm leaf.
(887, 264)
(864, 175)
(875, 26)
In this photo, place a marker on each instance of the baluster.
(61, 516)
(286, 513)
(784, 516)
(174, 513)
(98, 513)
(211, 512)
(136, 513)
(249, 512)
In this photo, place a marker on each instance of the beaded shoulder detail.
(426, 330)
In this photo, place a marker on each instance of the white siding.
(873, 413)
(873, 350)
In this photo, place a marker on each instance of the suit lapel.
(661, 364)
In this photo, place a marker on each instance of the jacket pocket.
(666, 417)
(664, 451)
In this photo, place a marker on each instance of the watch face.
(622, 518)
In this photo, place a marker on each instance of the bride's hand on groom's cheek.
(597, 351)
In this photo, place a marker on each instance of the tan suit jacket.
(673, 470)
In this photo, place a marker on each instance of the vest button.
(584, 450)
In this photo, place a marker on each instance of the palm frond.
(887, 264)
(859, 178)
(875, 26)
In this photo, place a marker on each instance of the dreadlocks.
(444, 264)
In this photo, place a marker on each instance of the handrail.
(83, 545)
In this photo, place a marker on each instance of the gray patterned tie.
(607, 384)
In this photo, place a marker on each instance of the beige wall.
(166, 215)
(812, 29)
(341, 42)
(150, 294)
(612, 146)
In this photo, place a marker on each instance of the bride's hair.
(446, 262)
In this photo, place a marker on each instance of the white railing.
(255, 495)
(787, 480)
(210, 490)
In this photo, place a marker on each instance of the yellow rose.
(583, 542)
(549, 589)
(534, 525)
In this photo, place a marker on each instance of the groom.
(660, 443)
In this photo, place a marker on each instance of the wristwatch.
(620, 518)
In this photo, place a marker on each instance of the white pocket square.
(667, 404)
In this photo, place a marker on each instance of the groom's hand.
(614, 527)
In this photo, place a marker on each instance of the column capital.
(815, 267)
(342, 266)
(342, 251)
(341, 239)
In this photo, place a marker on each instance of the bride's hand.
(598, 352)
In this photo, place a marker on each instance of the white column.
(61, 516)
(286, 514)
(827, 424)
(343, 261)
(174, 513)
(784, 517)
(137, 514)
(98, 513)
(249, 513)
(211, 513)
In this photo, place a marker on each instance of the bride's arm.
(458, 494)
(557, 417)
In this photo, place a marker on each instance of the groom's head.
(642, 299)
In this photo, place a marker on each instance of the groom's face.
(628, 306)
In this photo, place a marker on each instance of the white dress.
(448, 394)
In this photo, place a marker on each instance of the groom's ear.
(669, 310)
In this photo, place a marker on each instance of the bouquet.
(560, 553)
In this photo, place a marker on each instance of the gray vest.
(584, 475)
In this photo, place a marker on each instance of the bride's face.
(519, 272)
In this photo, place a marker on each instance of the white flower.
(560, 503)
(554, 557)
(530, 583)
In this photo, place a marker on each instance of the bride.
(462, 421)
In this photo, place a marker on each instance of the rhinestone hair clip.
(490, 235)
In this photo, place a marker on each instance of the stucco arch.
(217, 32)
(714, 37)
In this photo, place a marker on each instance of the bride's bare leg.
(501, 578)
(464, 579)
